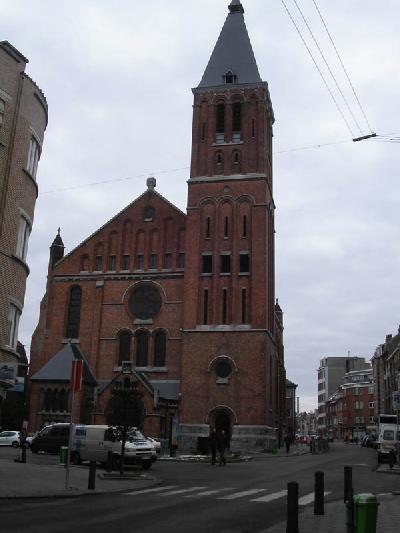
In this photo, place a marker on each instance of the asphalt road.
(197, 497)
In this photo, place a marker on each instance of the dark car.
(51, 438)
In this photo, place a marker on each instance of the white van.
(93, 443)
(389, 436)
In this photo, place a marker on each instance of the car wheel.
(146, 465)
(15, 444)
(75, 458)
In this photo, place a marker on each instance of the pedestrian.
(213, 445)
(288, 442)
(222, 442)
(392, 458)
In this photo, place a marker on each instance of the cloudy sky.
(117, 76)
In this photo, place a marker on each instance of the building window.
(229, 77)
(207, 266)
(125, 260)
(153, 262)
(356, 391)
(226, 227)
(372, 419)
(219, 163)
(167, 261)
(13, 322)
(23, 236)
(244, 226)
(74, 313)
(220, 124)
(371, 390)
(160, 348)
(359, 405)
(244, 263)
(208, 227)
(84, 263)
(142, 348)
(33, 157)
(124, 353)
(205, 307)
(2, 106)
(253, 127)
(371, 405)
(203, 132)
(98, 263)
(243, 306)
(226, 263)
(224, 306)
(139, 262)
(111, 263)
(236, 122)
(181, 260)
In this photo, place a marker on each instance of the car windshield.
(135, 434)
(388, 434)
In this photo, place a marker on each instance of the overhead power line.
(328, 67)
(342, 64)
(318, 69)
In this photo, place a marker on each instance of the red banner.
(76, 375)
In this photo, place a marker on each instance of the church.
(182, 304)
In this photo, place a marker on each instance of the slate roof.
(233, 52)
(59, 367)
(169, 390)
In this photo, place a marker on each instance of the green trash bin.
(63, 455)
(366, 513)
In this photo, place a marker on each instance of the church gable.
(149, 234)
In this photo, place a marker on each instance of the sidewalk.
(25, 480)
(334, 519)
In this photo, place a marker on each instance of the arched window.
(229, 77)
(85, 263)
(160, 348)
(220, 124)
(47, 399)
(219, 163)
(124, 352)
(142, 348)
(74, 313)
(236, 162)
(236, 121)
(63, 400)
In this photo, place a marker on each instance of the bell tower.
(230, 357)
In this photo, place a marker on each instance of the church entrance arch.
(221, 418)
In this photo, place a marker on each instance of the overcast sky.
(117, 76)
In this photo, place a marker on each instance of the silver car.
(10, 438)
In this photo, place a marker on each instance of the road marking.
(236, 495)
(147, 491)
(208, 492)
(309, 498)
(181, 491)
(270, 497)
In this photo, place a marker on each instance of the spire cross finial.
(59, 231)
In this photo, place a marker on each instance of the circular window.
(149, 212)
(145, 301)
(223, 369)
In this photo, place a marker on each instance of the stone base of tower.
(244, 439)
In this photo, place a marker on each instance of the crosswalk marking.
(270, 497)
(241, 494)
(181, 491)
(309, 498)
(208, 492)
(147, 491)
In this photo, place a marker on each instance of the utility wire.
(328, 67)
(342, 64)
(311, 146)
(317, 67)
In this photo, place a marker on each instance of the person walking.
(213, 445)
(288, 442)
(222, 442)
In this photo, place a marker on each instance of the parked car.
(10, 438)
(50, 438)
(156, 443)
(95, 443)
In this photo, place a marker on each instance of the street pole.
(71, 427)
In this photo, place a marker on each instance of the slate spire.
(233, 56)
(56, 249)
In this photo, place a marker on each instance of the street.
(197, 497)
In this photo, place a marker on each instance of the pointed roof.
(57, 239)
(232, 53)
(59, 367)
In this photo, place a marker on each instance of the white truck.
(388, 436)
(97, 443)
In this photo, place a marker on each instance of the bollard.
(350, 512)
(109, 463)
(92, 475)
(348, 482)
(319, 493)
(366, 507)
(292, 524)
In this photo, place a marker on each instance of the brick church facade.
(186, 302)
